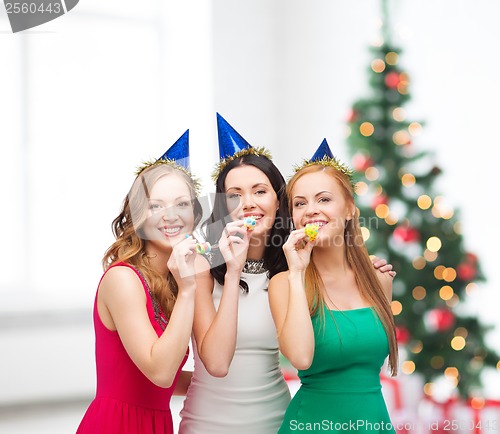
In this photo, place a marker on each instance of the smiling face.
(170, 213)
(318, 198)
(250, 193)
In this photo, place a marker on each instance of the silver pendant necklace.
(254, 266)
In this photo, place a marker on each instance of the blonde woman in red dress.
(143, 311)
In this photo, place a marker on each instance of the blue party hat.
(177, 156)
(230, 141)
(324, 157)
(179, 151)
(322, 151)
(232, 146)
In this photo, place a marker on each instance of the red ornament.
(379, 200)
(289, 375)
(392, 80)
(439, 320)
(471, 258)
(402, 335)
(406, 234)
(466, 272)
(352, 116)
(361, 162)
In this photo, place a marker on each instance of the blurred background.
(89, 96)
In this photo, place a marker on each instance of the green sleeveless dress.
(341, 391)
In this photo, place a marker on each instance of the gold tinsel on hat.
(172, 163)
(330, 162)
(260, 152)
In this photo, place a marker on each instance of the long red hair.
(130, 244)
(358, 260)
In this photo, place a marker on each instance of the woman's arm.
(122, 296)
(290, 311)
(288, 302)
(122, 303)
(216, 330)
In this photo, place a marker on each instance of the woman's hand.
(181, 262)
(382, 266)
(298, 251)
(234, 244)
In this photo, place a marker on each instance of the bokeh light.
(366, 129)
(378, 65)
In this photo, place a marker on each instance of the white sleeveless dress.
(253, 397)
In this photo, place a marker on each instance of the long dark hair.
(274, 257)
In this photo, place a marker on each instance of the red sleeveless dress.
(126, 401)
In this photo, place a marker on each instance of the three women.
(237, 385)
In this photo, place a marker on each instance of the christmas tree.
(411, 225)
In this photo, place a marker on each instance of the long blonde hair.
(358, 260)
(130, 245)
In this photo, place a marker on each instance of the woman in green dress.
(331, 309)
